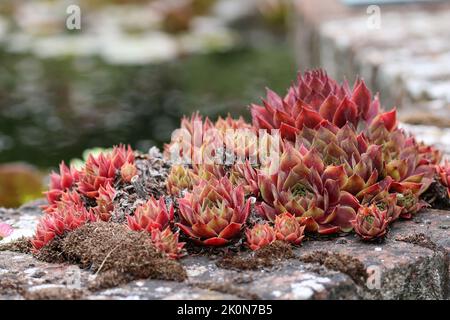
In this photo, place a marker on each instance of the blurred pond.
(53, 109)
(128, 76)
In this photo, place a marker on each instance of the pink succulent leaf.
(5, 230)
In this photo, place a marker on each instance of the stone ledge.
(417, 270)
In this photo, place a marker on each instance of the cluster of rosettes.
(344, 165)
(76, 197)
(286, 228)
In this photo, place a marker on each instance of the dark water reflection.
(54, 109)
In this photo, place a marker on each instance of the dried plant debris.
(51, 252)
(437, 196)
(347, 264)
(125, 202)
(153, 171)
(22, 245)
(150, 181)
(265, 257)
(276, 250)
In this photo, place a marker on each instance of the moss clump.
(113, 252)
(110, 246)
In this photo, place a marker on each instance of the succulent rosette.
(128, 171)
(46, 230)
(406, 160)
(214, 212)
(304, 187)
(207, 171)
(246, 175)
(70, 196)
(371, 222)
(260, 236)
(180, 178)
(410, 168)
(314, 98)
(382, 125)
(105, 202)
(404, 170)
(289, 229)
(444, 175)
(183, 140)
(67, 178)
(408, 197)
(228, 123)
(68, 207)
(429, 153)
(236, 136)
(102, 169)
(198, 137)
(153, 214)
(383, 199)
(341, 136)
(167, 242)
(239, 137)
(362, 162)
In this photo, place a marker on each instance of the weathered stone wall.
(411, 264)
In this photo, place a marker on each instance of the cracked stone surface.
(404, 269)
